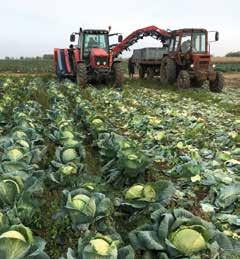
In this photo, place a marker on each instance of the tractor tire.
(183, 80)
(217, 85)
(150, 73)
(81, 77)
(118, 77)
(141, 72)
(168, 72)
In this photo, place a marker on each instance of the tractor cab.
(93, 46)
(188, 62)
(190, 47)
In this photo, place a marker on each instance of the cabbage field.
(98, 173)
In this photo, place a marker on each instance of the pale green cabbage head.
(68, 170)
(10, 189)
(23, 143)
(99, 248)
(67, 134)
(149, 193)
(16, 242)
(188, 241)
(14, 155)
(69, 155)
(19, 134)
(70, 143)
(80, 201)
(13, 234)
(145, 192)
(97, 122)
(135, 192)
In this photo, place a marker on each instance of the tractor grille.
(103, 61)
(204, 64)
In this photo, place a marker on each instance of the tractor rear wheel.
(142, 71)
(117, 75)
(217, 85)
(81, 76)
(183, 80)
(168, 72)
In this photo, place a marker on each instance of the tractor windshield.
(95, 41)
(195, 41)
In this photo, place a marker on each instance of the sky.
(34, 27)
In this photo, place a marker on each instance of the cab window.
(186, 42)
(171, 48)
(94, 41)
(176, 43)
(199, 42)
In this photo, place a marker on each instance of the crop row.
(118, 175)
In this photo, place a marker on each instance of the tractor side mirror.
(120, 38)
(72, 37)
(217, 36)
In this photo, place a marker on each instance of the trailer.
(147, 61)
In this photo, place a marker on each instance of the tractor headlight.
(98, 63)
(104, 63)
(192, 66)
(214, 66)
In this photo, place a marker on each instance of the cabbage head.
(23, 143)
(69, 169)
(16, 242)
(97, 125)
(144, 192)
(14, 155)
(188, 241)
(83, 208)
(69, 155)
(135, 192)
(70, 143)
(19, 135)
(99, 248)
(10, 188)
(67, 135)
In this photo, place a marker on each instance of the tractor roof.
(189, 30)
(94, 31)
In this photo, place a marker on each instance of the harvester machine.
(93, 59)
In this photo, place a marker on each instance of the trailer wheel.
(81, 76)
(141, 71)
(217, 85)
(168, 71)
(150, 73)
(183, 80)
(117, 75)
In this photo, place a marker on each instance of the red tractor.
(90, 60)
(94, 59)
(188, 62)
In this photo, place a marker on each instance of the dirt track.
(232, 79)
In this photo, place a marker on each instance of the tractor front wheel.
(117, 75)
(183, 80)
(168, 70)
(81, 76)
(217, 85)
